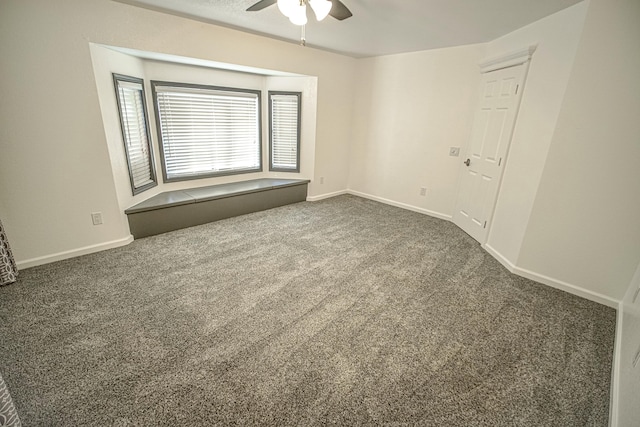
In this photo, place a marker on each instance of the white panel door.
(493, 125)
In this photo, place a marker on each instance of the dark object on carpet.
(8, 269)
(8, 415)
(342, 311)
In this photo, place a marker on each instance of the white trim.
(32, 262)
(499, 257)
(507, 60)
(401, 205)
(567, 287)
(614, 400)
(381, 200)
(325, 196)
(614, 394)
(510, 266)
(550, 281)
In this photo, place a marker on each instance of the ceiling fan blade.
(339, 10)
(261, 5)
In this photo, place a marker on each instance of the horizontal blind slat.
(134, 126)
(207, 130)
(284, 131)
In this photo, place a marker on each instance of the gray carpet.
(344, 311)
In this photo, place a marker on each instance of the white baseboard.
(499, 257)
(550, 281)
(555, 283)
(325, 196)
(567, 287)
(32, 262)
(401, 205)
(541, 278)
(590, 295)
(615, 372)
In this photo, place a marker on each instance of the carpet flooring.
(343, 311)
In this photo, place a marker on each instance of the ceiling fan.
(296, 10)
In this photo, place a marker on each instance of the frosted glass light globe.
(321, 8)
(299, 15)
(287, 7)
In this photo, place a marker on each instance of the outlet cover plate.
(96, 218)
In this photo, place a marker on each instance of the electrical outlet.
(96, 218)
(454, 151)
(423, 191)
(322, 180)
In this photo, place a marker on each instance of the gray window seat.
(177, 209)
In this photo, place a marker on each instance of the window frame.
(273, 168)
(178, 85)
(152, 166)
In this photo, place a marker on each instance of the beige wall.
(568, 208)
(384, 128)
(557, 39)
(55, 166)
(106, 61)
(410, 108)
(584, 226)
(628, 376)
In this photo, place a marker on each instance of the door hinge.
(517, 86)
(485, 225)
(500, 161)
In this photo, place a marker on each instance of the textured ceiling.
(378, 27)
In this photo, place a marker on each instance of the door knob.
(467, 162)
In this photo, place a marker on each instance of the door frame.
(510, 59)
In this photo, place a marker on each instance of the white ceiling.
(377, 27)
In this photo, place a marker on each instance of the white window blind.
(207, 131)
(285, 131)
(133, 120)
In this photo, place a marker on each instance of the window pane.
(285, 131)
(135, 133)
(206, 131)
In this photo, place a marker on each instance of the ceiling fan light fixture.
(287, 7)
(321, 8)
(298, 14)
